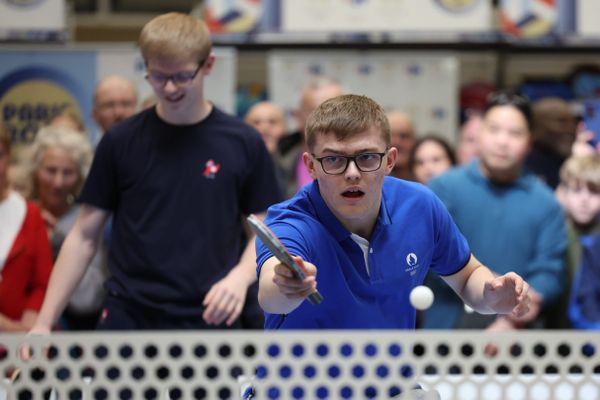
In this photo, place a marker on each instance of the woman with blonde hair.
(59, 161)
(25, 255)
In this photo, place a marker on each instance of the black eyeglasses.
(182, 78)
(365, 162)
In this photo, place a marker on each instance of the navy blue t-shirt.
(178, 195)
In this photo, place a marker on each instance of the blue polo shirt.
(413, 233)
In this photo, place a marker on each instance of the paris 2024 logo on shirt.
(412, 262)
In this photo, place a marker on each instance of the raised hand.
(507, 294)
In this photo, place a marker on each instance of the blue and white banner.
(423, 85)
(385, 15)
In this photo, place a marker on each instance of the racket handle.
(315, 298)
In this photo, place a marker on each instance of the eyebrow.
(360, 151)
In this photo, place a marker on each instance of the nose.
(352, 172)
(58, 181)
(170, 86)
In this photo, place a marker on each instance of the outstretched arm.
(75, 255)
(279, 292)
(488, 293)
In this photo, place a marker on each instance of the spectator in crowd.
(554, 128)
(115, 99)
(431, 156)
(403, 139)
(25, 255)
(59, 162)
(269, 120)
(67, 119)
(180, 178)
(291, 147)
(467, 148)
(371, 238)
(509, 217)
(580, 196)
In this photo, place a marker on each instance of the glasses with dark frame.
(365, 162)
(182, 78)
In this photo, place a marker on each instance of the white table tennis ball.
(421, 297)
(468, 309)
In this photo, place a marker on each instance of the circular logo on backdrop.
(457, 6)
(29, 97)
(530, 19)
(24, 3)
(237, 16)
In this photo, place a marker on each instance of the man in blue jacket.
(510, 218)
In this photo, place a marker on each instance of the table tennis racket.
(278, 249)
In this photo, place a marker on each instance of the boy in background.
(579, 193)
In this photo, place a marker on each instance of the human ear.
(392, 154)
(310, 164)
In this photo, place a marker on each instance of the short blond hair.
(582, 171)
(175, 37)
(345, 116)
(73, 142)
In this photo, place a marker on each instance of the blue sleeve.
(546, 272)
(289, 233)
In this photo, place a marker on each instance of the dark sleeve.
(260, 189)
(101, 186)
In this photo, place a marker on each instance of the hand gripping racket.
(279, 251)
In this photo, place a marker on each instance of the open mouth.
(353, 193)
(174, 99)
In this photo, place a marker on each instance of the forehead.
(265, 111)
(167, 65)
(56, 154)
(368, 140)
(505, 114)
(430, 146)
(115, 88)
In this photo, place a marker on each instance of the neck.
(402, 173)
(184, 116)
(501, 177)
(362, 226)
(363, 230)
(588, 227)
(57, 210)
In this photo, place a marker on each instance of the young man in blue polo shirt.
(179, 179)
(367, 239)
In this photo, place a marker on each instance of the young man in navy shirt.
(367, 239)
(179, 179)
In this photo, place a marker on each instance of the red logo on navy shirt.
(211, 169)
